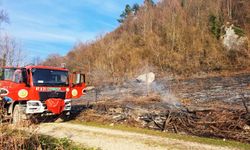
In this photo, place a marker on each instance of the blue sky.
(55, 26)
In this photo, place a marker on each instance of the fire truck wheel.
(18, 115)
(65, 116)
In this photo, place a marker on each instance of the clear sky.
(55, 26)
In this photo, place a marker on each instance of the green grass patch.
(188, 138)
(48, 142)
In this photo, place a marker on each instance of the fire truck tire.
(18, 115)
(65, 116)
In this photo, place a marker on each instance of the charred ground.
(208, 107)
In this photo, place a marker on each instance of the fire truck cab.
(38, 90)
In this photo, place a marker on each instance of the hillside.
(177, 37)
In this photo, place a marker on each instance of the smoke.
(164, 91)
(135, 88)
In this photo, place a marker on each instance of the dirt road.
(109, 139)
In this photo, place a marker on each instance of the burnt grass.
(206, 107)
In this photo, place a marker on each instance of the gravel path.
(109, 139)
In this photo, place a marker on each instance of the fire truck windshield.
(47, 77)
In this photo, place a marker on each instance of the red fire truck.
(38, 90)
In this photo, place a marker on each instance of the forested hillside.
(180, 37)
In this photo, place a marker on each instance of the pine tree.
(149, 2)
(128, 11)
(136, 8)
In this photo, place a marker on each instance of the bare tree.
(229, 8)
(53, 60)
(3, 18)
(11, 53)
(10, 50)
